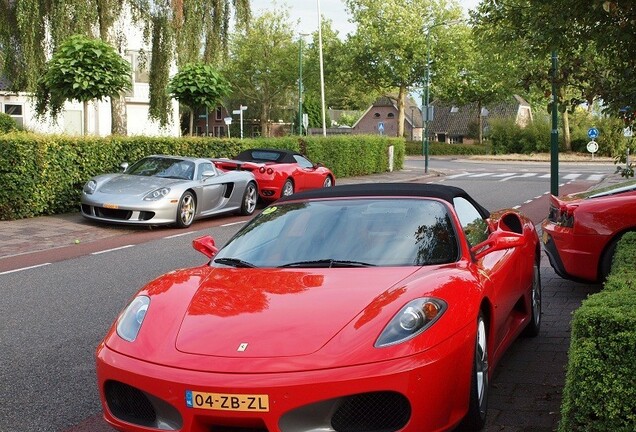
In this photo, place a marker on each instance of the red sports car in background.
(360, 308)
(279, 172)
(581, 230)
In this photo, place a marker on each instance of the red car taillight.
(566, 216)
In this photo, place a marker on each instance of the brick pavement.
(527, 385)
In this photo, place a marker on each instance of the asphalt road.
(52, 318)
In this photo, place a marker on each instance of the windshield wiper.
(234, 262)
(328, 263)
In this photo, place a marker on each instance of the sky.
(306, 12)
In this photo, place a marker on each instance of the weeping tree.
(184, 31)
(81, 69)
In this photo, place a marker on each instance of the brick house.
(381, 118)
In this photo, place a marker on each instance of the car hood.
(279, 313)
(124, 184)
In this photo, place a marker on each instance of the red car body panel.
(309, 335)
(576, 248)
(272, 175)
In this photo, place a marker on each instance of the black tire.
(328, 182)
(479, 383)
(288, 188)
(250, 197)
(534, 326)
(186, 210)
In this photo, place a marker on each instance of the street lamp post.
(322, 73)
(426, 111)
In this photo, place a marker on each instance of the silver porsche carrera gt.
(161, 190)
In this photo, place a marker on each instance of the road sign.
(627, 132)
(592, 133)
(592, 147)
(381, 128)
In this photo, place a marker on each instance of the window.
(390, 115)
(140, 64)
(454, 109)
(302, 162)
(203, 168)
(219, 113)
(15, 111)
(473, 225)
(376, 115)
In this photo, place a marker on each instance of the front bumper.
(130, 211)
(424, 392)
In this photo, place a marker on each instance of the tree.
(198, 85)
(586, 69)
(389, 46)
(263, 65)
(485, 74)
(345, 86)
(183, 30)
(82, 69)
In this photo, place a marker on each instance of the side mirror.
(205, 245)
(208, 173)
(124, 166)
(498, 240)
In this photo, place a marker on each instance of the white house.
(21, 106)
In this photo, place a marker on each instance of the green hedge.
(415, 148)
(44, 174)
(600, 387)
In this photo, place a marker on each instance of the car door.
(210, 191)
(308, 177)
(497, 269)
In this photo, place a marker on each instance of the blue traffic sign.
(592, 133)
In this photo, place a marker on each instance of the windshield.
(629, 186)
(163, 167)
(345, 233)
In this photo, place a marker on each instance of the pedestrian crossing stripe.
(515, 175)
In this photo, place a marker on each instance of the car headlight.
(90, 187)
(413, 319)
(157, 194)
(132, 317)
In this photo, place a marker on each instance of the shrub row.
(44, 174)
(415, 148)
(600, 387)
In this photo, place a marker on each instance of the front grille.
(129, 404)
(372, 412)
(112, 213)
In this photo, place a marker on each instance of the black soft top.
(266, 155)
(443, 192)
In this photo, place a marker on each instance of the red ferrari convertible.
(581, 231)
(279, 172)
(359, 308)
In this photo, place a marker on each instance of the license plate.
(111, 206)
(544, 237)
(227, 401)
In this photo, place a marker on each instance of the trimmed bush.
(414, 148)
(7, 124)
(600, 387)
(44, 174)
